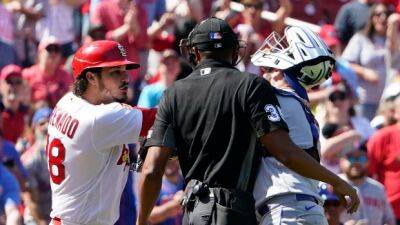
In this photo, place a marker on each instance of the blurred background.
(358, 109)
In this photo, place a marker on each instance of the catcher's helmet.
(99, 54)
(300, 50)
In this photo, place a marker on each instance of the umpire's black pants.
(220, 206)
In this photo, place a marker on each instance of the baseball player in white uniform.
(282, 196)
(88, 133)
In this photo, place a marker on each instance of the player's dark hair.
(81, 83)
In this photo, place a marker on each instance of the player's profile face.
(113, 85)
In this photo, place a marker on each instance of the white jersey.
(374, 206)
(273, 177)
(87, 159)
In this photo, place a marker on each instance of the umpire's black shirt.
(212, 117)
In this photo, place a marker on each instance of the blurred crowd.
(358, 110)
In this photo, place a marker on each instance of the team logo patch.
(122, 50)
(124, 158)
(273, 113)
(205, 71)
(215, 35)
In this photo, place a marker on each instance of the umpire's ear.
(197, 54)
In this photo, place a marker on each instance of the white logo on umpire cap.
(122, 50)
(273, 113)
(215, 35)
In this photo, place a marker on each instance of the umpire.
(213, 119)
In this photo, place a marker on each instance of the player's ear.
(91, 77)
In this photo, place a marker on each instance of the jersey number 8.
(56, 154)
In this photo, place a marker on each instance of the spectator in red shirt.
(47, 79)
(384, 158)
(13, 109)
(125, 22)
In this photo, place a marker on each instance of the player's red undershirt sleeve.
(149, 116)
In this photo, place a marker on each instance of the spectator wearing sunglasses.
(12, 121)
(12, 118)
(47, 79)
(374, 207)
(332, 205)
(367, 53)
(352, 18)
(341, 128)
(14, 102)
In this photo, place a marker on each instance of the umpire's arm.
(283, 149)
(160, 144)
(150, 180)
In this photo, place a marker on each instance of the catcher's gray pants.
(290, 210)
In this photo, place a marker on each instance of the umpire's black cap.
(213, 33)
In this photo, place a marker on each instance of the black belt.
(264, 209)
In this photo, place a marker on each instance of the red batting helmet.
(99, 54)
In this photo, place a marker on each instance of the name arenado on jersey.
(64, 122)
